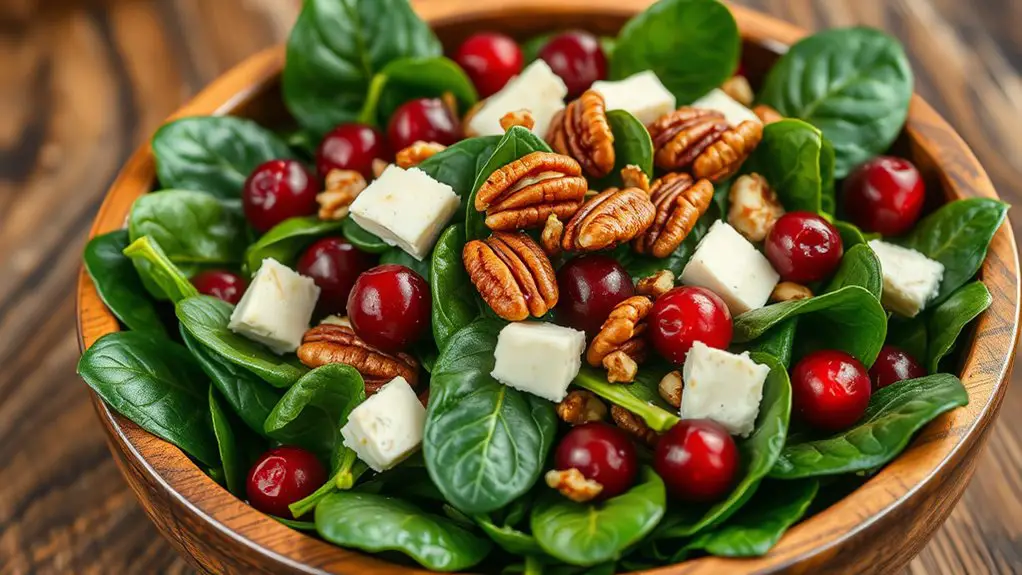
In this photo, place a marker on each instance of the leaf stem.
(369, 109)
(345, 478)
(659, 419)
(533, 565)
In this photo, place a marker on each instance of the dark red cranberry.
(698, 460)
(884, 195)
(389, 307)
(893, 365)
(803, 247)
(278, 190)
(351, 147)
(490, 60)
(334, 264)
(577, 58)
(685, 315)
(282, 476)
(222, 284)
(425, 119)
(601, 453)
(830, 390)
(590, 286)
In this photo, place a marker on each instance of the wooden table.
(86, 80)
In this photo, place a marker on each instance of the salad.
(581, 304)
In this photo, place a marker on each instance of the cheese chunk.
(734, 112)
(722, 386)
(387, 427)
(910, 278)
(538, 358)
(537, 89)
(727, 264)
(276, 307)
(640, 94)
(406, 208)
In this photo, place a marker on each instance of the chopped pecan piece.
(521, 118)
(342, 187)
(767, 114)
(622, 331)
(379, 166)
(525, 192)
(512, 274)
(679, 204)
(581, 131)
(754, 207)
(331, 343)
(704, 142)
(670, 388)
(466, 120)
(608, 219)
(573, 485)
(417, 153)
(656, 285)
(620, 366)
(739, 89)
(633, 425)
(789, 291)
(553, 231)
(581, 406)
(634, 177)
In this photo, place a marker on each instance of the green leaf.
(532, 47)
(851, 235)
(307, 526)
(893, 416)
(402, 258)
(118, 284)
(639, 398)
(947, 320)
(514, 541)
(454, 300)
(409, 78)
(156, 267)
(828, 187)
(909, 334)
(376, 523)
(778, 341)
(285, 240)
(789, 157)
(361, 238)
(859, 267)
(458, 165)
(232, 461)
(632, 146)
(854, 84)
(691, 45)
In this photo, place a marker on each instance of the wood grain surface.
(87, 80)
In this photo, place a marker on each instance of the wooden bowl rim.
(942, 444)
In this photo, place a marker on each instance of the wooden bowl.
(876, 529)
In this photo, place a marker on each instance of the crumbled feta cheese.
(733, 111)
(538, 358)
(910, 278)
(727, 264)
(387, 427)
(722, 386)
(537, 89)
(642, 94)
(276, 308)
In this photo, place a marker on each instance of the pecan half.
(656, 285)
(581, 406)
(331, 343)
(608, 219)
(789, 291)
(754, 207)
(633, 425)
(767, 114)
(739, 89)
(581, 131)
(670, 388)
(417, 153)
(622, 331)
(702, 141)
(521, 118)
(573, 485)
(341, 188)
(525, 192)
(512, 274)
(679, 203)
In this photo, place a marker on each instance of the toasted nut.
(466, 120)
(379, 166)
(790, 291)
(450, 101)
(417, 153)
(521, 118)
(608, 219)
(754, 207)
(767, 114)
(739, 89)
(336, 320)
(424, 397)
(573, 485)
(704, 142)
(331, 343)
(621, 368)
(581, 406)
(512, 274)
(679, 204)
(622, 332)
(581, 131)
(525, 192)
(656, 285)
(670, 388)
(342, 187)
(551, 236)
(634, 177)
(633, 425)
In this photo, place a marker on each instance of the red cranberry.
(333, 264)
(490, 60)
(590, 287)
(278, 190)
(830, 389)
(425, 119)
(389, 307)
(351, 147)
(803, 247)
(282, 476)
(686, 315)
(601, 453)
(893, 365)
(697, 460)
(577, 58)
(222, 284)
(884, 195)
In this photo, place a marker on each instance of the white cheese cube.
(537, 89)
(276, 308)
(722, 386)
(734, 112)
(642, 94)
(910, 278)
(727, 264)
(405, 208)
(538, 358)
(387, 427)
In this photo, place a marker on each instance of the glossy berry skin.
(221, 284)
(334, 264)
(351, 147)
(803, 247)
(425, 119)
(389, 307)
(893, 365)
(490, 60)
(698, 460)
(577, 58)
(884, 195)
(685, 315)
(282, 476)
(830, 390)
(602, 453)
(278, 190)
(590, 286)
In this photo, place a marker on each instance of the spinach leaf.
(957, 235)
(632, 146)
(206, 319)
(214, 154)
(640, 266)
(485, 443)
(286, 239)
(893, 416)
(514, 541)
(592, 533)
(233, 462)
(828, 187)
(789, 157)
(636, 397)
(859, 267)
(854, 84)
(778, 341)
(335, 49)
(361, 238)
(402, 258)
(532, 47)
(307, 526)
(155, 383)
(156, 267)
(909, 334)
(118, 284)
(947, 320)
(454, 300)
(691, 45)
(458, 165)
(851, 235)
(409, 78)
(377, 523)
